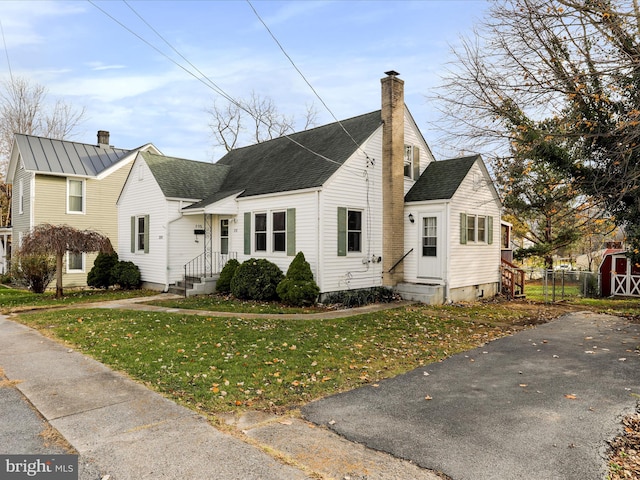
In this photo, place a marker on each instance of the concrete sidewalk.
(123, 430)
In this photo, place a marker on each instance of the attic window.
(408, 161)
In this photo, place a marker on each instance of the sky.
(118, 60)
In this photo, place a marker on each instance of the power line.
(204, 79)
(6, 52)
(303, 76)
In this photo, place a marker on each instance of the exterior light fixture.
(411, 219)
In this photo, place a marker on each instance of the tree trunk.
(59, 293)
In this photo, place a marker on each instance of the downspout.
(320, 279)
(447, 264)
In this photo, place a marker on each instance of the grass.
(220, 364)
(222, 303)
(14, 299)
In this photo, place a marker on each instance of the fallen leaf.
(428, 397)
(570, 396)
(286, 422)
(524, 385)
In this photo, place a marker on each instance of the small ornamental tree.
(101, 275)
(256, 279)
(223, 285)
(298, 287)
(57, 240)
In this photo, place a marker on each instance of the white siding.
(306, 228)
(182, 241)
(21, 222)
(144, 197)
(474, 264)
(359, 187)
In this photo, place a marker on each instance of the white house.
(363, 199)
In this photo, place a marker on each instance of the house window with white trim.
(279, 227)
(408, 161)
(140, 234)
(476, 229)
(75, 196)
(354, 231)
(224, 236)
(260, 229)
(75, 262)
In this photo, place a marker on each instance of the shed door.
(431, 245)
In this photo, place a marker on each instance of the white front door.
(431, 245)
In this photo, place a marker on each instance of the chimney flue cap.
(392, 73)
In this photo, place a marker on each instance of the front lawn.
(14, 299)
(218, 364)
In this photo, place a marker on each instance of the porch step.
(195, 285)
(421, 292)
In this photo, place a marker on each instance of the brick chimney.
(103, 138)
(392, 177)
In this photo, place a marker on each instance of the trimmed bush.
(256, 279)
(101, 275)
(360, 297)
(34, 271)
(298, 287)
(223, 285)
(127, 275)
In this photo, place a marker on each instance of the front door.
(431, 245)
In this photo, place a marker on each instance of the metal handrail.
(398, 262)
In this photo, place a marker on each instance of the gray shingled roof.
(281, 164)
(47, 155)
(440, 180)
(181, 178)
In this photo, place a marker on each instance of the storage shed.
(619, 276)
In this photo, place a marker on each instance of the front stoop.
(421, 292)
(195, 286)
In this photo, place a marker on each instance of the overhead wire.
(275, 39)
(203, 78)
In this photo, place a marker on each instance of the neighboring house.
(63, 182)
(363, 199)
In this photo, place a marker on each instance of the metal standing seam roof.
(62, 157)
(441, 179)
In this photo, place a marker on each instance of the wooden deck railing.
(512, 279)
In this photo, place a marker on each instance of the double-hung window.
(224, 236)
(75, 196)
(140, 234)
(476, 229)
(273, 231)
(260, 226)
(75, 262)
(279, 227)
(349, 231)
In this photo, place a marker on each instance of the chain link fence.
(552, 286)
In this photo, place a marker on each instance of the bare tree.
(24, 109)
(47, 239)
(558, 80)
(254, 120)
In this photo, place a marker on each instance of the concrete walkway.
(122, 430)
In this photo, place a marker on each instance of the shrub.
(101, 275)
(34, 271)
(223, 285)
(363, 296)
(256, 279)
(127, 275)
(298, 287)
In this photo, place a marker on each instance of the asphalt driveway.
(540, 404)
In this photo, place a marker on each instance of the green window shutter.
(342, 232)
(463, 228)
(490, 230)
(146, 234)
(291, 232)
(133, 234)
(416, 162)
(247, 233)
